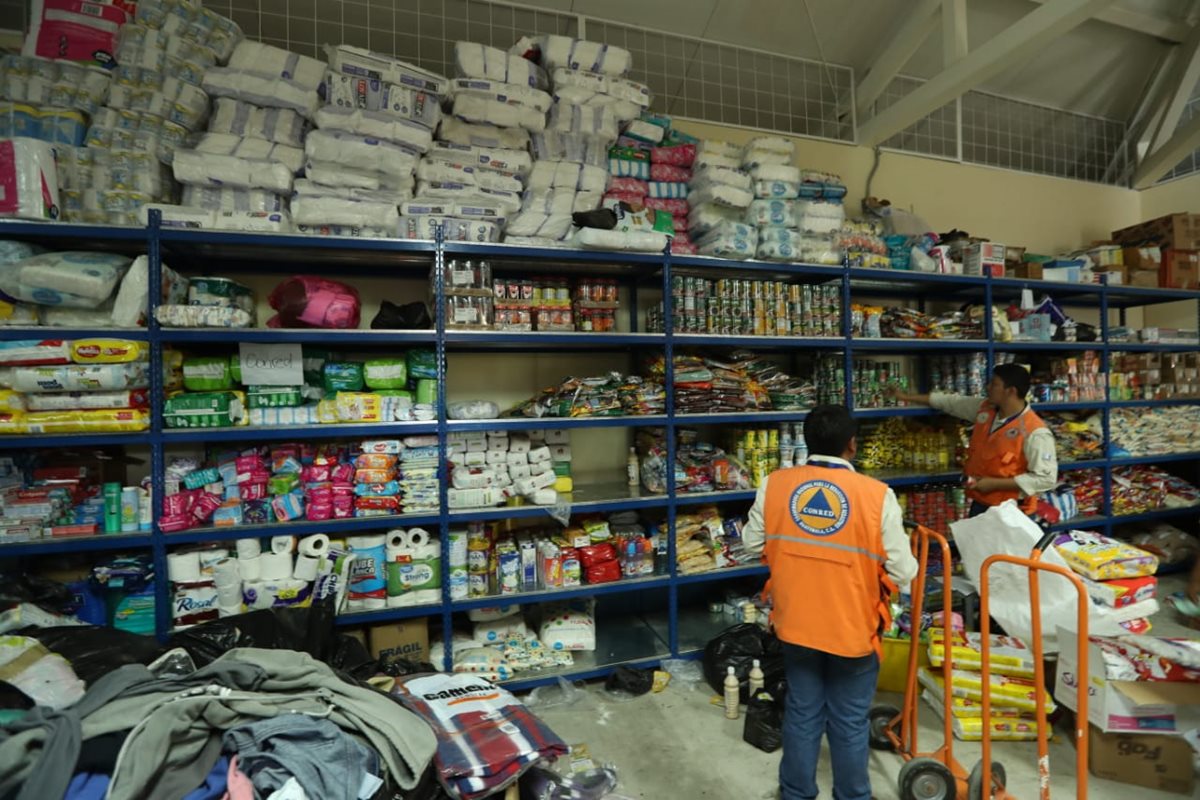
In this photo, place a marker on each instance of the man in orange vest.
(835, 542)
(1012, 454)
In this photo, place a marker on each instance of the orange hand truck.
(936, 774)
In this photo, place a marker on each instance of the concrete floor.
(676, 745)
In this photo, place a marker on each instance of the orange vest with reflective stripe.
(1001, 454)
(824, 546)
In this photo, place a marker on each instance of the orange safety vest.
(824, 546)
(1001, 454)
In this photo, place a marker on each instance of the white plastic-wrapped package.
(821, 208)
(582, 149)
(245, 120)
(553, 200)
(724, 176)
(729, 240)
(758, 158)
(506, 162)
(82, 378)
(226, 144)
(535, 241)
(566, 627)
(626, 98)
(173, 216)
(220, 199)
(261, 90)
(338, 211)
(563, 51)
(129, 306)
(721, 195)
(358, 152)
(587, 201)
(703, 218)
(208, 169)
(717, 147)
(351, 92)
(73, 279)
(482, 109)
(377, 125)
(28, 179)
(180, 316)
(449, 208)
(517, 94)
(771, 144)
(779, 244)
(459, 193)
(454, 229)
(776, 172)
(567, 175)
(473, 60)
(348, 231)
(308, 188)
(595, 121)
(646, 131)
(456, 131)
(264, 59)
(630, 241)
(534, 223)
(253, 221)
(341, 176)
(786, 190)
(446, 172)
(715, 159)
(363, 64)
(774, 213)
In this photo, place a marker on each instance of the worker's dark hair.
(1014, 376)
(828, 430)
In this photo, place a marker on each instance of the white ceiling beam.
(1150, 24)
(954, 31)
(918, 24)
(1016, 42)
(1141, 124)
(1174, 150)
(1185, 74)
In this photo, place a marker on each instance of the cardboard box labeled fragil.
(408, 640)
(1139, 707)
(1154, 761)
(1180, 269)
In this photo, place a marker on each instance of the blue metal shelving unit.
(231, 253)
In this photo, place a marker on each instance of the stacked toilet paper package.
(396, 569)
(488, 468)
(504, 641)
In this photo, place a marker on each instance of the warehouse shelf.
(68, 440)
(552, 595)
(672, 631)
(1161, 458)
(592, 498)
(327, 338)
(1094, 521)
(14, 333)
(77, 544)
(334, 527)
(1154, 347)
(1172, 401)
(552, 423)
(352, 618)
(1082, 521)
(280, 433)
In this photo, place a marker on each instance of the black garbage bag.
(737, 647)
(409, 316)
(630, 681)
(764, 722)
(96, 650)
(399, 667)
(47, 594)
(307, 629)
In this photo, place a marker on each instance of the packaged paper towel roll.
(275, 566)
(183, 567)
(33, 183)
(250, 568)
(230, 596)
(306, 567)
(283, 544)
(226, 573)
(248, 548)
(316, 545)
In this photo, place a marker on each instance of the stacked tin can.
(873, 382)
(741, 307)
(966, 375)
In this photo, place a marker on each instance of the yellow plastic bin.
(893, 672)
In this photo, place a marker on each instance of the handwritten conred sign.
(271, 364)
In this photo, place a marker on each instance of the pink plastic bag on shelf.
(75, 30)
(307, 301)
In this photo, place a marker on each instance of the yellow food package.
(13, 422)
(1004, 729)
(564, 483)
(961, 707)
(11, 401)
(1008, 655)
(1008, 692)
(106, 420)
(108, 351)
(359, 407)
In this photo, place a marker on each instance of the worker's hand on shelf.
(904, 397)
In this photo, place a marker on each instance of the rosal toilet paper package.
(28, 179)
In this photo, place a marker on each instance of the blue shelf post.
(443, 471)
(669, 432)
(158, 462)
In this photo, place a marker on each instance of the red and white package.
(670, 173)
(75, 30)
(675, 206)
(634, 186)
(625, 197)
(679, 155)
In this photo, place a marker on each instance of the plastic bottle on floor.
(731, 694)
(756, 677)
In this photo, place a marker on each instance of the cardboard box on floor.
(408, 640)
(1154, 761)
(1133, 707)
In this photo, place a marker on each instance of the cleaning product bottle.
(632, 470)
(731, 694)
(756, 678)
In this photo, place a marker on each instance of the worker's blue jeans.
(826, 695)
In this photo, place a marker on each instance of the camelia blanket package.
(361, 153)
(363, 64)
(376, 124)
(206, 169)
(247, 121)
(554, 52)
(224, 144)
(351, 92)
(28, 179)
(473, 60)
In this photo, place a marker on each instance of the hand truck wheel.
(879, 718)
(927, 779)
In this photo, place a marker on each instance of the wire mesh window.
(1191, 163)
(935, 135)
(1001, 132)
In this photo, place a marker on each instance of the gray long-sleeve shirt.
(1040, 452)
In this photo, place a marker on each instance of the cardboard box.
(1143, 278)
(1180, 269)
(1115, 275)
(983, 258)
(1137, 707)
(408, 640)
(1149, 257)
(1180, 231)
(1061, 274)
(1029, 269)
(1154, 761)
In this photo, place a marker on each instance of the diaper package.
(556, 146)
(207, 373)
(184, 316)
(93, 421)
(362, 64)
(81, 378)
(220, 199)
(506, 162)
(595, 121)
(1007, 655)
(29, 179)
(376, 124)
(359, 152)
(1019, 694)
(457, 131)
(87, 401)
(1100, 558)
(265, 59)
(423, 226)
(130, 304)
(472, 60)
(73, 279)
(779, 244)
(207, 169)
(341, 211)
(555, 52)
(225, 144)
(720, 194)
(348, 92)
(205, 410)
(567, 175)
(261, 90)
(438, 171)
(244, 120)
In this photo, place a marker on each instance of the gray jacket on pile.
(176, 724)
